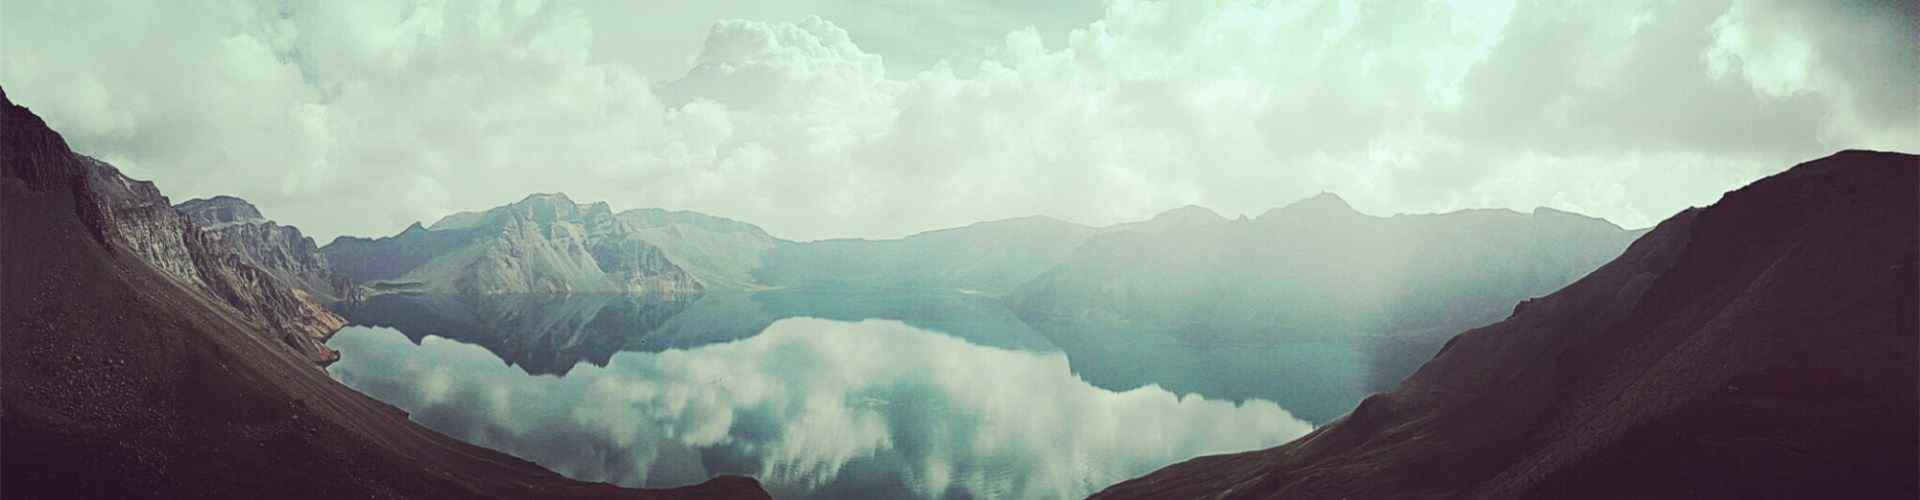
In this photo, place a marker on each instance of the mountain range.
(544, 244)
(1314, 271)
(1112, 297)
(1761, 347)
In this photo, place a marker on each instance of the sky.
(881, 118)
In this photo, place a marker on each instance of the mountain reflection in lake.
(816, 408)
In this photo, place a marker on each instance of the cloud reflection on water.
(813, 407)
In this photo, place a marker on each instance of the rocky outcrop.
(137, 217)
(1762, 347)
(280, 250)
(544, 244)
(136, 365)
(212, 213)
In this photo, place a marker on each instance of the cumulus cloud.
(824, 119)
(810, 405)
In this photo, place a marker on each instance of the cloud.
(809, 405)
(826, 119)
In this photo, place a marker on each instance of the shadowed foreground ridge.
(1761, 347)
(124, 380)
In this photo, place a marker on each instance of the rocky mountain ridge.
(133, 214)
(145, 358)
(280, 250)
(544, 244)
(1761, 347)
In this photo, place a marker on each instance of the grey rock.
(280, 250)
(544, 244)
(141, 220)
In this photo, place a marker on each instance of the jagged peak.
(1323, 201)
(457, 220)
(546, 207)
(219, 198)
(219, 210)
(1555, 212)
(1325, 204)
(598, 207)
(548, 197)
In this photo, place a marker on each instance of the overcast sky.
(881, 118)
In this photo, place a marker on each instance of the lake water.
(828, 394)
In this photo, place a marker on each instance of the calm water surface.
(820, 395)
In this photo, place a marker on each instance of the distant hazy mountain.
(1317, 268)
(543, 244)
(721, 253)
(1762, 347)
(280, 250)
(1313, 270)
(988, 257)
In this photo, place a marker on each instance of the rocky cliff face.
(137, 217)
(544, 244)
(280, 250)
(1762, 347)
(211, 213)
(134, 216)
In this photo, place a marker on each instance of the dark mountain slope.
(126, 381)
(1763, 347)
(133, 215)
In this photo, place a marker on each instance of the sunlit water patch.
(815, 409)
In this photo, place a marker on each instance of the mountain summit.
(543, 244)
